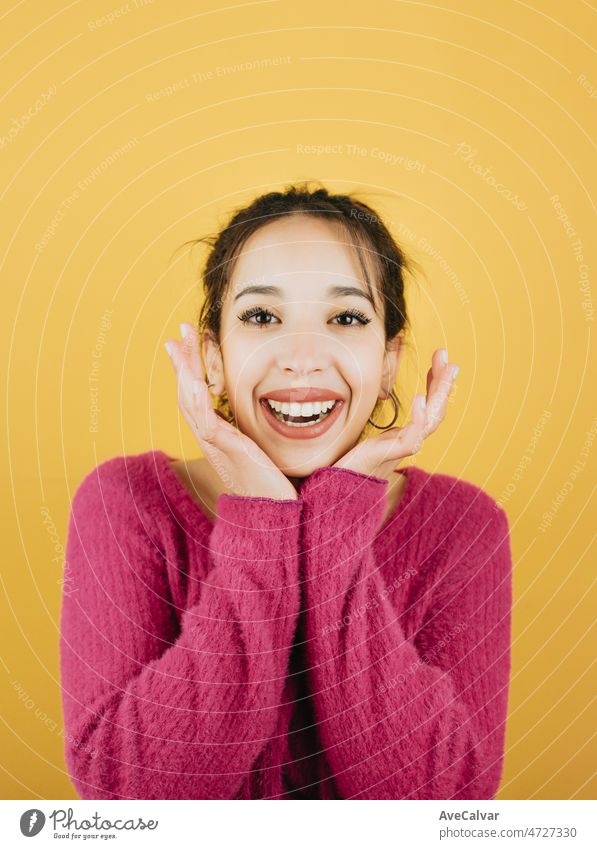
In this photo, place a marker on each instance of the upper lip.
(299, 396)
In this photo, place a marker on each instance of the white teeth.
(294, 409)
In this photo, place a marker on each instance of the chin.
(295, 470)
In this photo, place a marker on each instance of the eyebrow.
(337, 291)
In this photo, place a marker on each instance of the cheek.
(243, 374)
(363, 374)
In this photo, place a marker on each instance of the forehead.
(298, 248)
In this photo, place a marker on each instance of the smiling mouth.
(328, 412)
(301, 421)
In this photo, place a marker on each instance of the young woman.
(292, 615)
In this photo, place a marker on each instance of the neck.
(296, 482)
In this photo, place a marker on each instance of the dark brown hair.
(363, 228)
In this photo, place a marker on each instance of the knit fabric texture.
(292, 649)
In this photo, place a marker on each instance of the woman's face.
(298, 344)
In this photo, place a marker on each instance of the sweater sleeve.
(158, 706)
(404, 719)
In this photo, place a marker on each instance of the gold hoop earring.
(396, 406)
(226, 418)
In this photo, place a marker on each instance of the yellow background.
(156, 114)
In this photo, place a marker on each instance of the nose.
(302, 354)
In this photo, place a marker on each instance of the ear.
(391, 362)
(214, 365)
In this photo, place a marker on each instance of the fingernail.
(168, 347)
(455, 371)
(184, 330)
(196, 387)
(443, 357)
(422, 403)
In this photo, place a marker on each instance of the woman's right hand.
(234, 456)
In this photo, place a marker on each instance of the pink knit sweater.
(293, 649)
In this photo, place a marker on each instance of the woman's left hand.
(379, 455)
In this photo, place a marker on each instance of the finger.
(419, 410)
(413, 440)
(201, 411)
(439, 386)
(434, 374)
(193, 400)
(178, 361)
(190, 347)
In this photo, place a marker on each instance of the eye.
(253, 311)
(361, 317)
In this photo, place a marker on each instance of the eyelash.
(252, 311)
